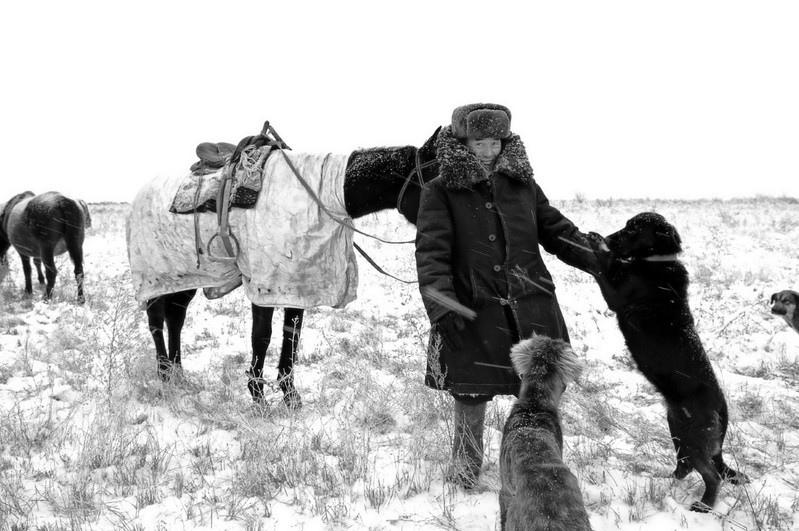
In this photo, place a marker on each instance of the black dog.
(538, 490)
(646, 285)
(784, 304)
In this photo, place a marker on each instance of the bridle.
(417, 170)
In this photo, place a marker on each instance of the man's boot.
(467, 447)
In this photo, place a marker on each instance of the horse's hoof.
(292, 400)
(700, 507)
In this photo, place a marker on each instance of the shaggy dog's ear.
(570, 364)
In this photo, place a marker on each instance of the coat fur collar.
(461, 169)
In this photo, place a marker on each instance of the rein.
(347, 222)
(661, 258)
(231, 243)
(419, 166)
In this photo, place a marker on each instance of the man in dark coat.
(480, 225)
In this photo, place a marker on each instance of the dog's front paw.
(735, 477)
(682, 470)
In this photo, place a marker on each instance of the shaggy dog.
(646, 285)
(784, 304)
(538, 490)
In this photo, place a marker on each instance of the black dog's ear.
(773, 298)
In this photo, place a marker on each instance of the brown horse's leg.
(292, 324)
(170, 308)
(26, 270)
(49, 272)
(75, 250)
(175, 313)
(155, 318)
(38, 263)
(75, 220)
(261, 337)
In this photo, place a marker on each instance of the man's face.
(486, 149)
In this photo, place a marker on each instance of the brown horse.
(375, 179)
(42, 227)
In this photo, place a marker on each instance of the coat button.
(492, 237)
(497, 268)
(489, 205)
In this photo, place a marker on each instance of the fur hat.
(460, 168)
(481, 120)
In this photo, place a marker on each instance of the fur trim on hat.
(460, 168)
(481, 120)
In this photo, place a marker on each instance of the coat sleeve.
(559, 236)
(434, 237)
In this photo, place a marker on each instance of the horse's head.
(425, 168)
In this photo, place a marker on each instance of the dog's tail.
(541, 355)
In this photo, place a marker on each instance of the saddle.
(241, 166)
(226, 176)
(212, 156)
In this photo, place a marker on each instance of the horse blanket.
(292, 253)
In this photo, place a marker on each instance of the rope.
(346, 222)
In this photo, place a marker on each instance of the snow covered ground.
(91, 439)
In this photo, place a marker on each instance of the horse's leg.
(261, 337)
(26, 270)
(75, 249)
(38, 263)
(171, 309)
(176, 305)
(49, 271)
(155, 318)
(292, 324)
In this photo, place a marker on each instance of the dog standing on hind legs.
(538, 491)
(644, 282)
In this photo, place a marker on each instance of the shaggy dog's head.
(545, 363)
(644, 236)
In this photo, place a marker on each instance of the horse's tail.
(76, 218)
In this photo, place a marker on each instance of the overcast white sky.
(678, 99)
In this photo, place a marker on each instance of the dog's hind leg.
(292, 325)
(683, 463)
(704, 465)
(731, 475)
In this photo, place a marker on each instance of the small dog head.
(645, 235)
(784, 304)
(546, 363)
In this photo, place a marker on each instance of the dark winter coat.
(477, 243)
